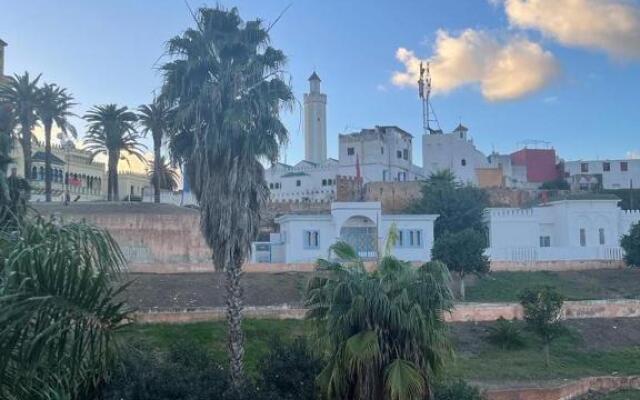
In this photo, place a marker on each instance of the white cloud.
(505, 69)
(381, 88)
(611, 26)
(550, 100)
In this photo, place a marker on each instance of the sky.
(561, 71)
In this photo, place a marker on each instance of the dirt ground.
(194, 290)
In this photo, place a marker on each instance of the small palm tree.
(111, 131)
(155, 118)
(168, 177)
(226, 86)
(54, 105)
(59, 309)
(382, 332)
(22, 93)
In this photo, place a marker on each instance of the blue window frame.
(311, 239)
(410, 238)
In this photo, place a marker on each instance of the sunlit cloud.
(610, 26)
(504, 68)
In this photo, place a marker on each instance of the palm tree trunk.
(25, 141)
(462, 287)
(234, 320)
(547, 357)
(156, 171)
(112, 181)
(47, 162)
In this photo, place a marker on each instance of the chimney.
(3, 44)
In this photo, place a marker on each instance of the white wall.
(450, 151)
(423, 223)
(615, 178)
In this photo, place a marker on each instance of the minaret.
(315, 122)
(3, 44)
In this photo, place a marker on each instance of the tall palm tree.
(60, 309)
(111, 131)
(155, 118)
(162, 175)
(22, 93)
(226, 85)
(54, 106)
(382, 332)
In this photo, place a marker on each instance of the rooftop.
(315, 77)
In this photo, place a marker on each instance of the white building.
(454, 151)
(578, 228)
(306, 237)
(383, 153)
(611, 174)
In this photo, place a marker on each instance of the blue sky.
(525, 78)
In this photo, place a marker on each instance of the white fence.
(532, 254)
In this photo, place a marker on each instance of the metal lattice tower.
(429, 117)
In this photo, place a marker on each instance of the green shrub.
(542, 309)
(505, 334)
(457, 390)
(631, 245)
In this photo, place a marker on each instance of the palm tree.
(22, 93)
(111, 131)
(54, 105)
(155, 118)
(226, 85)
(59, 309)
(382, 332)
(162, 169)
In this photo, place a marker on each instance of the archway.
(361, 233)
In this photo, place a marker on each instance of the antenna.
(428, 114)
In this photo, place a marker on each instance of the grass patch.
(488, 362)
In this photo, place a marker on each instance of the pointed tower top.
(2, 43)
(314, 77)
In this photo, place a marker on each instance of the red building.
(540, 164)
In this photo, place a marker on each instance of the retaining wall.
(571, 390)
(463, 312)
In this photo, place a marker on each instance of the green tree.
(459, 206)
(168, 177)
(22, 93)
(462, 252)
(630, 243)
(542, 312)
(59, 309)
(156, 119)
(111, 131)
(53, 107)
(556, 184)
(227, 87)
(13, 190)
(382, 332)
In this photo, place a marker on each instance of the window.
(381, 150)
(324, 182)
(405, 154)
(584, 167)
(350, 151)
(399, 154)
(330, 182)
(545, 241)
(385, 174)
(601, 236)
(298, 182)
(271, 186)
(409, 238)
(463, 162)
(583, 237)
(606, 166)
(311, 239)
(624, 166)
(276, 185)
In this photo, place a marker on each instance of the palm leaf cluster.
(111, 131)
(58, 309)
(156, 118)
(162, 174)
(382, 332)
(225, 84)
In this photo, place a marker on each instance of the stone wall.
(560, 265)
(463, 312)
(395, 197)
(568, 391)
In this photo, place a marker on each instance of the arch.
(34, 173)
(361, 233)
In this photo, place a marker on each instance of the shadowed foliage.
(155, 118)
(227, 87)
(382, 333)
(58, 309)
(162, 175)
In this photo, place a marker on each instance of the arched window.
(41, 173)
(34, 173)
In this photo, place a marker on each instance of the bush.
(542, 308)
(457, 390)
(505, 334)
(631, 245)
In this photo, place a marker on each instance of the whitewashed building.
(610, 174)
(454, 151)
(304, 238)
(577, 228)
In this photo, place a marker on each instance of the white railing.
(532, 254)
